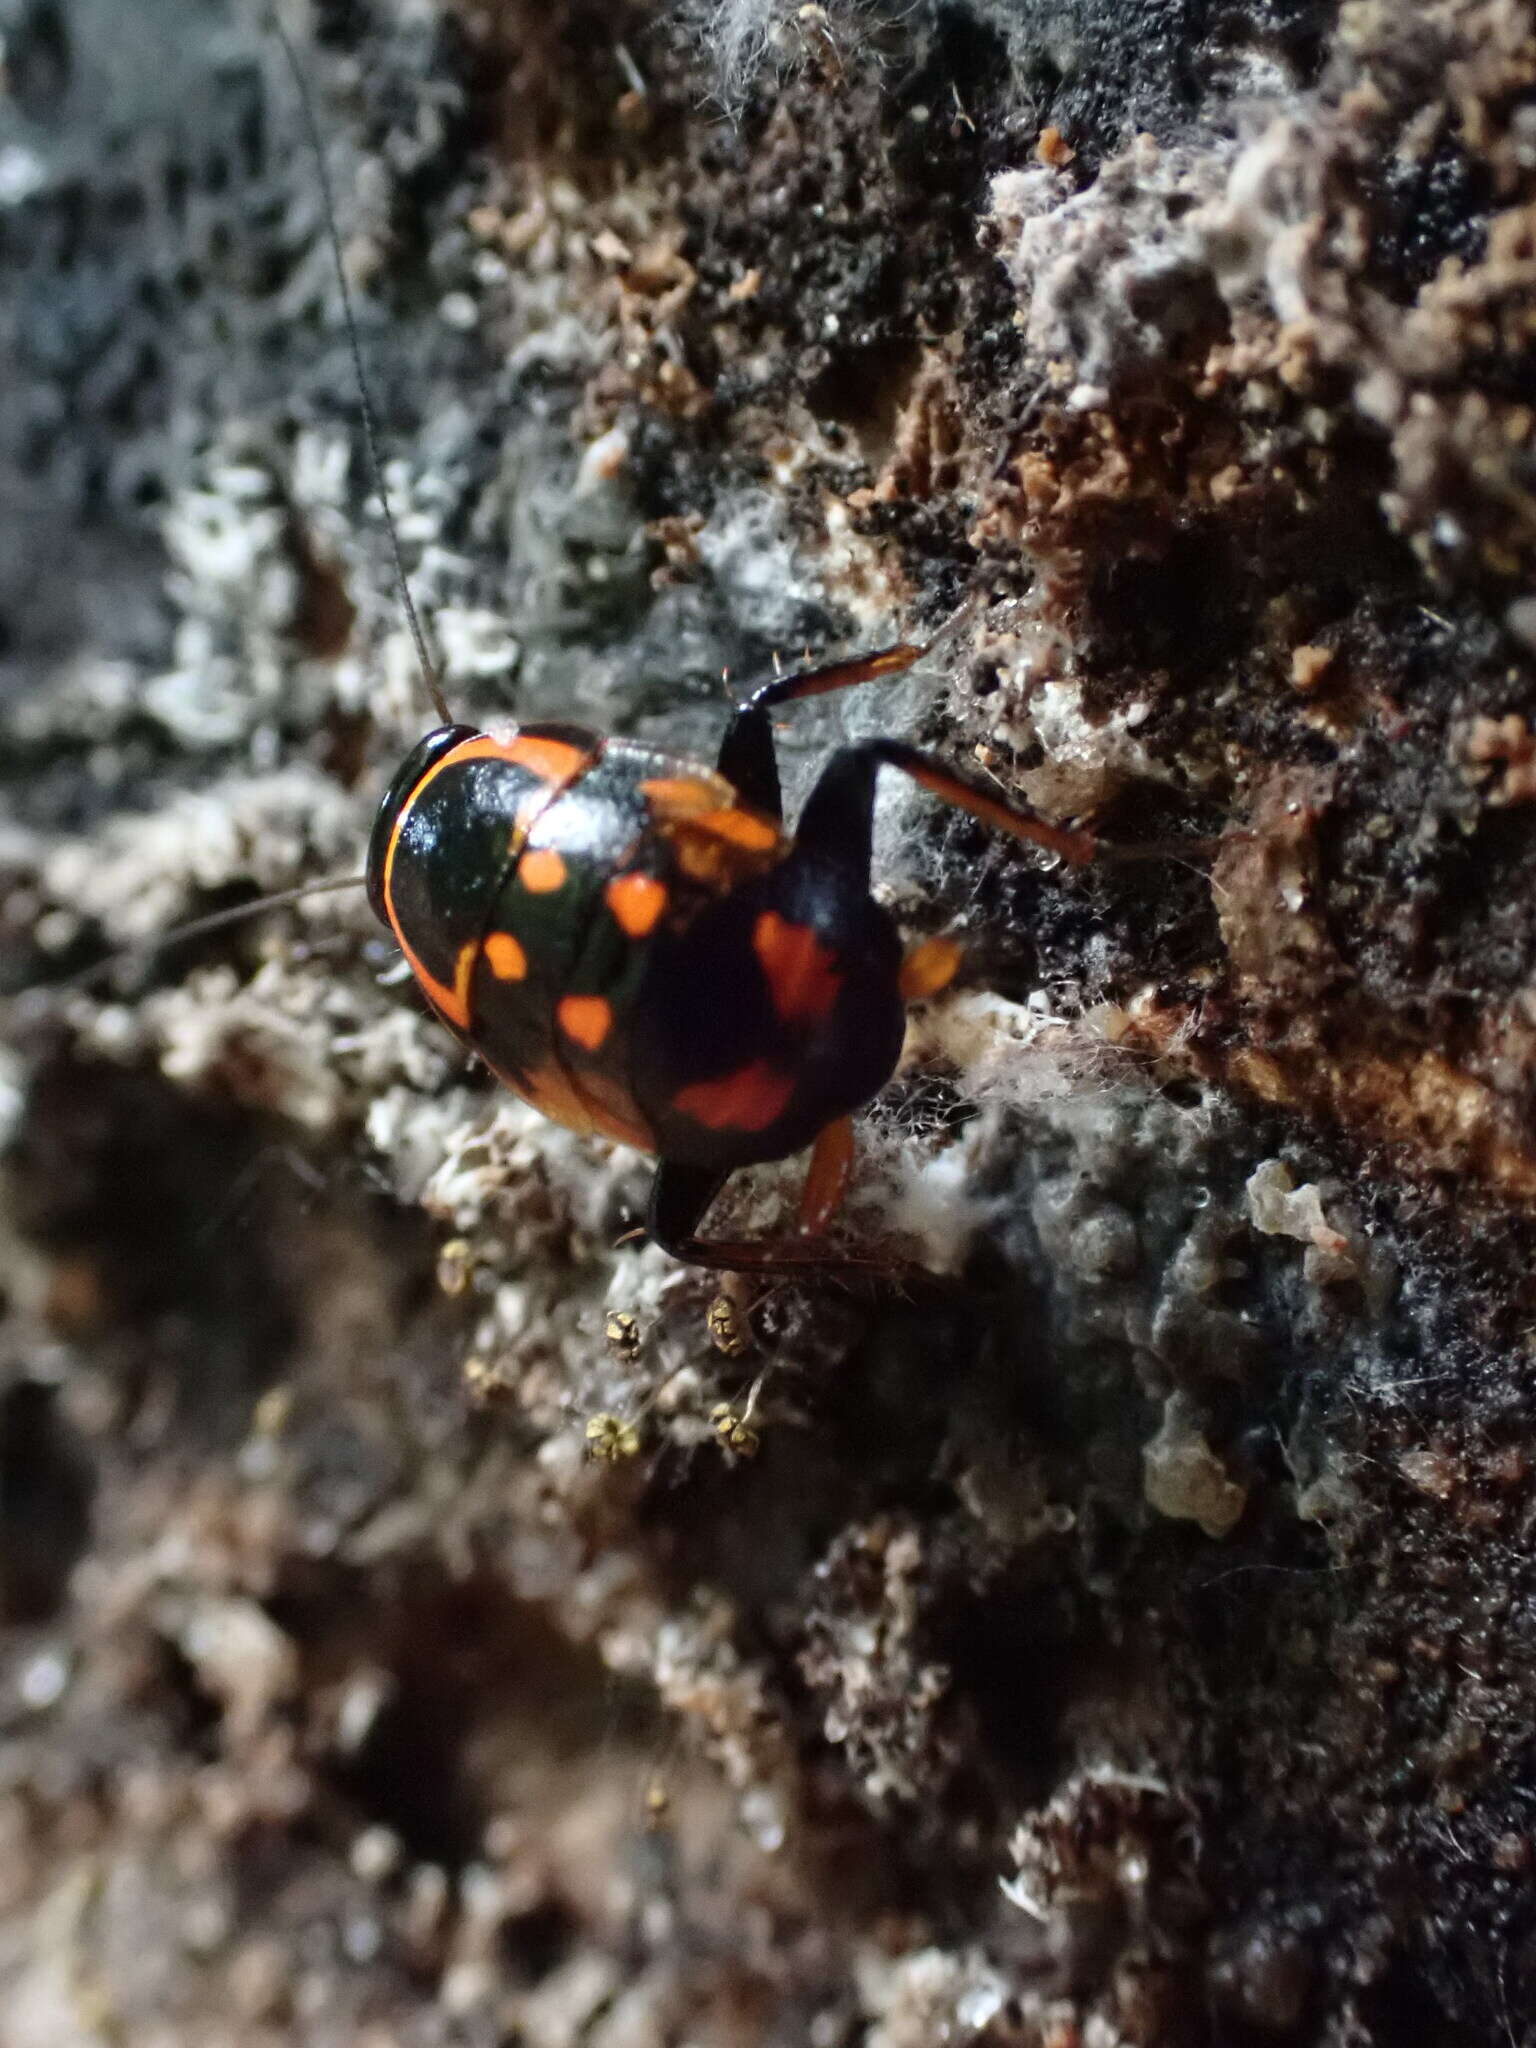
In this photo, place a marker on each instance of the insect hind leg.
(837, 821)
(680, 1199)
(747, 757)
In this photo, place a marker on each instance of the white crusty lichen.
(743, 39)
(141, 872)
(1112, 273)
(1184, 1478)
(930, 1995)
(1277, 1207)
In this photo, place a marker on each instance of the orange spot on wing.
(481, 748)
(684, 796)
(801, 973)
(721, 847)
(587, 1019)
(551, 760)
(704, 858)
(751, 1099)
(931, 965)
(505, 957)
(741, 828)
(636, 902)
(710, 833)
(542, 871)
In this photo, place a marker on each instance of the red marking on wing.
(751, 1099)
(801, 972)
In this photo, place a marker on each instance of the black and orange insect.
(637, 945)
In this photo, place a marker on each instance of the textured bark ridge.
(1133, 1644)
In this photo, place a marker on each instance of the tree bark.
(1129, 1641)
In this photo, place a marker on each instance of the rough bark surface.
(1135, 1643)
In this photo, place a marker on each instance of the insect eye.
(423, 757)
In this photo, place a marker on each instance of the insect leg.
(680, 1196)
(838, 814)
(827, 1178)
(680, 1199)
(746, 753)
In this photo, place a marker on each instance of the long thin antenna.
(365, 400)
(195, 928)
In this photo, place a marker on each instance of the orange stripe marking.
(931, 965)
(505, 957)
(636, 902)
(587, 1019)
(613, 1109)
(550, 760)
(471, 750)
(542, 871)
(801, 973)
(749, 1100)
(553, 1094)
(453, 1002)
